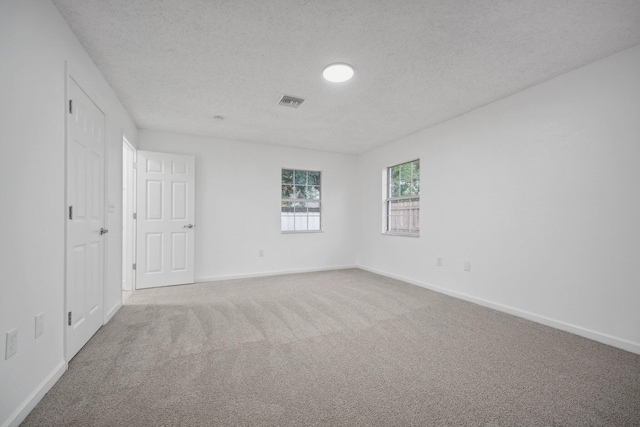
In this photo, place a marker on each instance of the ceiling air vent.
(290, 101)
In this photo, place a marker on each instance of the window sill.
(391, 233)
(301, 232)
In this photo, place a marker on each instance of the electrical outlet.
(439, 262)
(12, 343)
(39, 324)
(467, 266)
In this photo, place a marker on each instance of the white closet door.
(85, 218)
(165, 219)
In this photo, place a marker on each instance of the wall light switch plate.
(467, 266)
(12, 343)
(439, 262)
(39, 324)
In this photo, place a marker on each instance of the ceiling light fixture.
(338, 73)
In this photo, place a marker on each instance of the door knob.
(103, 231)
(188, 226)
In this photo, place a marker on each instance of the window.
(300, 208)
(402, 205)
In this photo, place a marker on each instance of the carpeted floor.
(346, 348)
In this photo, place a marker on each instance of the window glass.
(301, 201)
(287, 176)
(402, 203)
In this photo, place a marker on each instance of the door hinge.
(70, 212)
(70, 106)
(135, 215)
(69, 318)
(134, 266)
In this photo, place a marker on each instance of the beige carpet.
(346, 348)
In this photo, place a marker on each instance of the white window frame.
(294, 200)
(388, 199)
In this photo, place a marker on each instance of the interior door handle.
(103, 231)
(188, 226)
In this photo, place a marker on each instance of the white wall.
(238, 206)
(540, 191)
(35, 42)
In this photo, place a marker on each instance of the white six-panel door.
(165, 219)
(85, 218)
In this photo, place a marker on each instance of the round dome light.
(338, 73)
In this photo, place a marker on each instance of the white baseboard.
(270, 273)
(112, 311)
(567, 327)
(27, 406)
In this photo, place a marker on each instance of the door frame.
(70, 73)
(129, 209)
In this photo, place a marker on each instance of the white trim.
(36, 395)
(112, 311)
(66, 205)
(129, 208)
(557, 324)
(107, 237)
(270, 273)
(134, 249)
(394, 233)
(126, 141)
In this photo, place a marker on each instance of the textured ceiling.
(176, 64)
